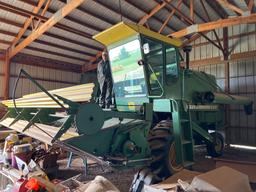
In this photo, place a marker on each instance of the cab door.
(154, 66)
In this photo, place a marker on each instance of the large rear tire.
(163, 152)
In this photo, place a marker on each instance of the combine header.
(162, 109)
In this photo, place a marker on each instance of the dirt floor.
(122, 178)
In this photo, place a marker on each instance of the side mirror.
(141, 62)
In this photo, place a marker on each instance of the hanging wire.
(120, 10)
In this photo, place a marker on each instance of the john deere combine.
(162, 110)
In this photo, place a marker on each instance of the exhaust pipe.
(187, 50)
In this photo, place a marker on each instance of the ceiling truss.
(38, 23)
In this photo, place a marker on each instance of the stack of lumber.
(78, 93)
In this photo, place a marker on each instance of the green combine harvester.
(162, 109)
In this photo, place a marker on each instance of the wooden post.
(192, 10)
(227, 81)
(226, 55)
(6, 74)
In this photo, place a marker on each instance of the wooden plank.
(43, 12)
(250, 5)
(27, 23)
(192, 10)
(6, 82)
(230, 6)
(69, 7)
(157, 8)
(79, 93)
(215, 25)
(169, 17)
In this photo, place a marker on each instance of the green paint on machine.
(162, 109)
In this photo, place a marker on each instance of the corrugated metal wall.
(242, 78)
(49, 78)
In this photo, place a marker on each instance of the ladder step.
(188, 163)
(184, 120)
(184, 142)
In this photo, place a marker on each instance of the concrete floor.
(122, 178)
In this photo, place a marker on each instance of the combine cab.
(162, 109)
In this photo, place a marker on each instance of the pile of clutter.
(25, 164)
(222, 179)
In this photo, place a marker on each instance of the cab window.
(153, 57)
(171, 63)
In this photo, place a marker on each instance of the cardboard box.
(223, 179)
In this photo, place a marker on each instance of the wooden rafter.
(115, 10)
(217, 8)
(43, 12)
(230, 6)
(190, 22)
(142, 21)
(250, 5)
(215, 24)
(191, 10)
(25, 13)
(169, 17)
(27, 24)
(153, 12)
(70, 6)
(6, 80)
(209, 19)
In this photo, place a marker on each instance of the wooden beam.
(250, 5)
(217, 8)
(49, 34)
(230, 6)
(25, 13)
(190, 22)
(43, 12)
(157, 8)
(215, 25)
(226, 55)
(219, 59)
(209, 19)
(169, 17)
(47, 25)
(142, 21)
(145, 12)
(27, 24)
(6, 80)
(192, 10)
(113, 9)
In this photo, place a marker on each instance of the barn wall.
(242, 128)
(49, 78)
